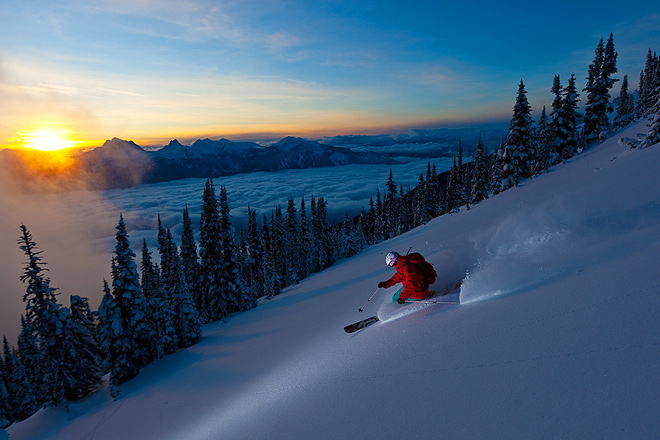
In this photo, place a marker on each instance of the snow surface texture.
(558, 335)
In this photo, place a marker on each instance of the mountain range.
(123, 163)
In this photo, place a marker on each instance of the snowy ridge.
(557, 336)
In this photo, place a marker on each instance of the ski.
(435, 301)
(361, 324)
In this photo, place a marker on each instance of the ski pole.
(372, 295)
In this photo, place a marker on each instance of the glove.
(381, 285)
(401, 301)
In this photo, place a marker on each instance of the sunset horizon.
(153, 72)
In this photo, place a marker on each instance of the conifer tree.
(190, 258)
(556, 134)
(349, 245)
(570, 119)
(654, 102)
(453, 191)
(305, 242)
(461, 193)
(519, 143)
(370, 222)
(405, 211)
(6, 417)
(159, 311)
(322, 234)
(646, 78)
(134, 342)
(625, 110)
(379, 222)
(390, 207)
(481, 180)
(212, 305)
(545, 143)
(46, 319)
(110, 334)
(272, 282)
(292, 244)
(279, 250)
(232, 291)
(6, 386)
(82, 353)
(186, 321)
(599, 81)
(25, 388)
(496, 168)
(254, 257)
(360, 229)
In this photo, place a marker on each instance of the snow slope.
(558, 335)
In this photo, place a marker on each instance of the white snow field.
(557, 336)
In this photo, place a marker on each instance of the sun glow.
(46, 139)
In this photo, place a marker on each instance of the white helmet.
(390, 259)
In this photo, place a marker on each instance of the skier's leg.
(395, 297)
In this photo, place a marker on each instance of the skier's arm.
(396, 279)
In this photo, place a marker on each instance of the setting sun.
(47, 139)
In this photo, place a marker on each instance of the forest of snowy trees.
(155, 309)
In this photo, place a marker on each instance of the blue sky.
(153, 70)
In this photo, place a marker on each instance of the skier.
(414, 272)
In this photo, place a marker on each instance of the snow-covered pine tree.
(406, 210)
(625, 109)
(25, 391)
(46, 319)
(438, 196)
(461, 184)
(6, 416)
(520, 142)
(653, 84)
(432, 190)
(82, 354)
(272, 283)
(481, 179)
(254, 256)
(379, 221)
(279, 250)
(422, 211)
(390, 207)
(292, 243)
(134, 342)
(348, 240)
(213, 305)
(599, 81)
(159, 310)
(110, 334)
(6, 385)
(186, 321)
(644, 104)
(190, 258)
(322, 234)
(496, 168)
(233, 291)
(545, 143)
(305, 242)
(360, 230)
(556, 134)
(569, 121)
(370, 222)
(453, 201)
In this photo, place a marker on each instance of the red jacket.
(410, 275)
